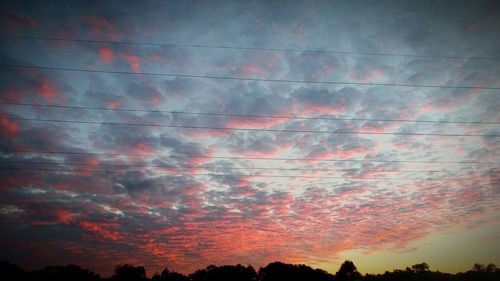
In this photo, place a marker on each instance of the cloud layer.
(187, 197)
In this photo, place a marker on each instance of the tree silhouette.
(127, 272)
(63, 273)
(167, 275)
(491, 267)
(480, 272)
(348, 271)
(226, 272)
(12, 272)
(478, 267)
(278, 271)
(420, 267)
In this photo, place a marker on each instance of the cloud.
(13, 22)
(185, 197)
(252, 145)
(100, 26)
(134, 62)
(106, 55)
(9, 127)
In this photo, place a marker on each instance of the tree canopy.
(275, 271)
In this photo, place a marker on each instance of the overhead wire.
(312, 159)
(215, 77)
(135, 165)
(255, 116)
(248, 129)
(293, 117)
(238, 175)
(241, 48)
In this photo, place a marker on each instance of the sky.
(181, 134)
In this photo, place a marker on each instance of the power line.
(246, 115)
(245, 129)
(242, 168)
(238, 175)
(176, 45)
(245, 158)
(245, 79)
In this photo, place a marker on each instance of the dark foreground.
(276, 271)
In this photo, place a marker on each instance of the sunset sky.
(181, 134)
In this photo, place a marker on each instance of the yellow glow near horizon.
(451, 252)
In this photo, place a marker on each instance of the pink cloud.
(373, 75)
(312, 173)
(91, 164)
(200, 160)
(15, 21)
(308, 108)
(324, 71)
(320, 221)
(49, 92)
(113, 104)
(17, 180)
(64, 216)
(156, 57)
(156, 99)
(101, 26)
(201, 133)
(9, 128)
(451, 102)
(248, 122)
(100, 229)
(250, 69)
(62, 185)
(203, 158)
(106, 55)
(406, 145)
(140, 148)
(426, 108)
(383, 127)
(314, 158)
(134, 62)
(13, 95)
(264, 153)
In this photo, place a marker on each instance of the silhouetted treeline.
(275, 271)
(421, 271)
